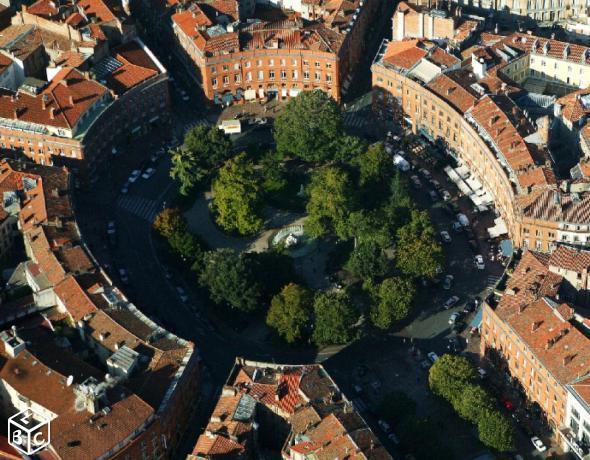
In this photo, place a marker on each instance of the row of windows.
(271, 76)
(270, 63)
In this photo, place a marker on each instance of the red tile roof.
(404, 54)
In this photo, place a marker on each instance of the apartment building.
(418, 21)
(533, 333)
(237, 57)
(122, 385)
(295, 412)
(470, 107)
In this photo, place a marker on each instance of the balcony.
(580, 449)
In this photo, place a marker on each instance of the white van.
(401, 163)
(231, 126)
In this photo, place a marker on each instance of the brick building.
(237, 57)
(532, 330)
(294, 412)
(132, 401)
(469, 106)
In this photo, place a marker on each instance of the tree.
(272, 270)
(169, 221)
(229, 280)
(367, 261)
(496, 431)
(421, 437)
(375, 167)
(394, 300)
(309, 127)
(273, 174)
(474, 402)
(366, 226)
(330, 201)
(187, 246)
(334, 318)
(417, 253)
(290, 312)
(349, 147)
(204, 149)
(396, 407)
(237, 197)
(449, 375)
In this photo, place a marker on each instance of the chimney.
(535, 325)
(568, 359)
(52, 113)
(521, 308)
(71, 101)
(450, 90)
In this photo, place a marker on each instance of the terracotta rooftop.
(323, 424)
(404, 54)
(460, 96)
(530, 306)
(136, 68)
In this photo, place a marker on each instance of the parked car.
(134, 176)
(469, 306)
(182, 294)
(433, 196)
(425, 173)
(446, 196)
(167, 273)
(478, 262)
(261, 121)
(416, 182)
(457, 227)
(432, 356)
(482, 373)
(454, 317)
(458, 327)
(124, 275)
(436, 185)
(393, 438)
(445, 237)
(385, 427)
(448, 282)
(454, 345)
(125, 188)
(451, 302)
(148, 173)
(111, 228)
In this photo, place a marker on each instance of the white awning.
(464, 188)
(463, 171)
(498, 229)
(474, 184)
(452, 174)
(284, 92)
(261, 92)
(294, 92)
(250, 94)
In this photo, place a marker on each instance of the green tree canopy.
(349, 147)
(334, 318)
(272, 270)
(237, 197)
(496, 431)
(274, 177)
(169, 221)
(230, 280)
(449, 375)
(393, 302)
(474, 402)
(290, 312)
(375, 169)
(417, 252)
(330, 201)
(204, 148)
(187, 246)
(366, 226)
(367, 261)
(309, 127)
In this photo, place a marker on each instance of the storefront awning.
(250, 94)
(507, 248)
(498, 229)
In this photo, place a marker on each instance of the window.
(249, 76)
(329, 78)
(293, 62)
(225, 68)
(248, 64)
(576, 414)
(260, 75)
(214, 82)
(271, 62)
(283, 74)
(271, 74)
(259, 63)
(306, 75)
(328, 65)
(294, 75)
(213, 70)
(305, 62)
(318, 76)
(317, 64)
(238, 78)
(225, 80)
(283, 63)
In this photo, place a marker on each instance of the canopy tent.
(507, 248)
(463, 171)
(474, 183)
(498, 229)
(476, 322)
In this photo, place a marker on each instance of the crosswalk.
(492, 280)
(354, 120)
(143, 208)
